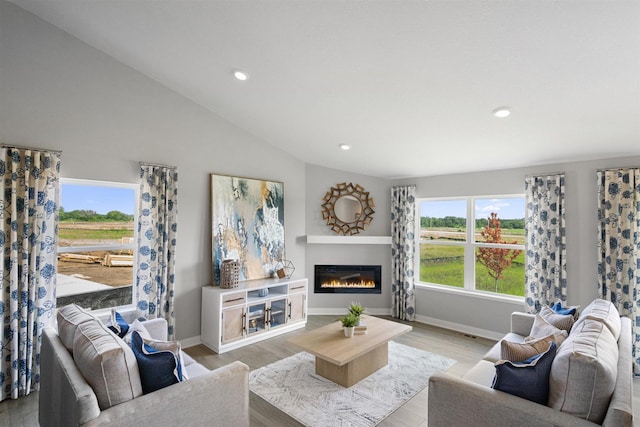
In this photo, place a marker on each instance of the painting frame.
(247, 225)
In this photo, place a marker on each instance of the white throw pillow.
(541, 328)
(137, 326)
(560, 321)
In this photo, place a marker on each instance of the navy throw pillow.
(528, 379)
(158, 368)
(558, 308)
(118, 326)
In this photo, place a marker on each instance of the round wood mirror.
(347, 209)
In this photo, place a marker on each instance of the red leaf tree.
(496, 260)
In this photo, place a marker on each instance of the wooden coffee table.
(346, 361)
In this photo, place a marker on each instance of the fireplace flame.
(350, 284)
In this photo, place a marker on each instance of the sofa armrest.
(157, 328)
(521, 323)
(220, 397)
(454, 402)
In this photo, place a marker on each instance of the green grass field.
(95, 230)
(445, 265)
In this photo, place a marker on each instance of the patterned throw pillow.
(528, 379)
(560, 321)
(516, 352)
(158, 368)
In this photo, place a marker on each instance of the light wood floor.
(465, 349)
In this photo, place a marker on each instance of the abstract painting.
(247, 224)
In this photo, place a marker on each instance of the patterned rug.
(292, 386)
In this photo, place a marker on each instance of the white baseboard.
(470, 330)
(190, 342)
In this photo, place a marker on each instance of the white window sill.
(470, 293)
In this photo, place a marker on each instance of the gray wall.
(483, 316)
(318, 181)
(59, 93)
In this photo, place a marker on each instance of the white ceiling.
(409, 84)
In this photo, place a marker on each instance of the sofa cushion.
(482, 373)
(69, 317)
(107, 364)
(605, 312)
(560, 321)
(517, 352)
(583, 374)
(528, 379)
(541, 328)
(159, 364)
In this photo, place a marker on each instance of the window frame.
(115, 247)
(470, 246)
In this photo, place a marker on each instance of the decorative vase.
(348, 332)
(358, 322)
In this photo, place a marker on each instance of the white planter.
(348, 332)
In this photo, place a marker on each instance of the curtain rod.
(533, 175)
(21, 147)
(616, 169)
(158, 164)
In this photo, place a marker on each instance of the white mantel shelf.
(349, 240)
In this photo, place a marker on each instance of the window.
(96, 243)
(472, 243)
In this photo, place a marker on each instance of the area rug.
(292, 386)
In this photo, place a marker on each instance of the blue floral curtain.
(545, 242)
(403, 213)
(157, 226)
(619, 246)
(29, 194)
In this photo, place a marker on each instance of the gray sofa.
(218, 397)
(470, 400)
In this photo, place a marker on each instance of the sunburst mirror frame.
(355, 192)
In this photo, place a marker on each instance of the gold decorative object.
(347, 209)
(229, 274)
(284, 269)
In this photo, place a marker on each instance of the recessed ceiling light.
(240, 75)
(502, 112)
(344, 147)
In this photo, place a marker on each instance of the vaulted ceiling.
(409, 85)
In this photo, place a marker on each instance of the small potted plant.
(348, 323)
(356, 309)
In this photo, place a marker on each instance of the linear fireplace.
(351, 279)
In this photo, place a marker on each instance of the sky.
(97, 198)
(506, 208)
